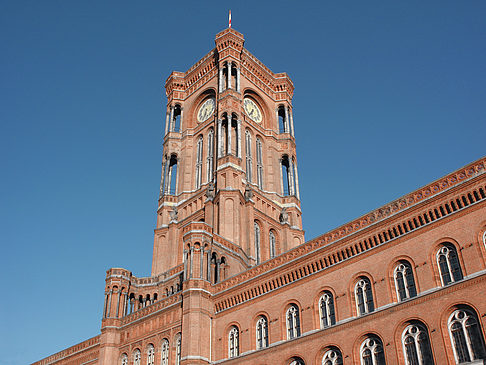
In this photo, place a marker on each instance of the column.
(238, 87)
(192, 260)
(105, 304)
(297, 181)
(229, 75)
(180, 121)
(167, 120)
(239, 138)
(201, 270)
(291, 122)
(278, 123)
(281, 176)
(221, 80)
(220, 144)
(108, 314)
(171, 119)
(118, 304)
(228, 131)
(286, 124)
(125, 306)
(291, 177)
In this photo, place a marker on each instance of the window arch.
(293, 322)
(170, 175)
(178, 349)
(332, 356)
(259, 158)
(326, 309)
(164, 352)
(150, 354)
(364, 296)
(257, 242)
(199, 150)
(272, 244)
(404, 281)
(124, 359)
(484, 239)
(466, 336)
(249, 157)
(448, 262)
(233, 342)
(262, 332)
(209, 159)
(137, 357)
(296, 361)
(371, 351)
(416, 345)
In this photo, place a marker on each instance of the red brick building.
(233, 280)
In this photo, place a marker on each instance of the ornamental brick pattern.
(233, 280)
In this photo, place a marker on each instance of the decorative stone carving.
(173, 215)
(248, 192)
(284, 216)
(210, 192)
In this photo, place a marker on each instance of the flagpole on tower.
(229, 21)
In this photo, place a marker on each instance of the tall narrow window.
(164, 352)
(171, 175)
(371, 352)
(416, 345)
(332, 356)
(364, 296)
(137, 357)
(293, 322)
(233, 342)
(273, 244)
(257, 242)
(150, 355)
(404, 282)
(249, 158)
(209, 159)
(199, 152)
(178, 349)
(287, 176)
(124, 359)
(450, 269)
(466, 336)
(262, 332)
(326, 310)
(282, 120)
(176, 119)
(259, 155)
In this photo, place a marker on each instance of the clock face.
(252, 110)
(206, 110)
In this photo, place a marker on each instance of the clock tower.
(229, 192)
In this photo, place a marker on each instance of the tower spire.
(229, 19)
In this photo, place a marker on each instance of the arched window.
(364, 296)
(287, 171)
(404, 282)
(296, 361)
(466, 336)
(199, 150)
(484, 239)
(249, 158)
(170, 175)
(178, 349)
(332, 357)
(326, 310)
(371, 352)
(233, 342)
(273, 244)
(137, 356)
(124, 359)
(282, 120)
(416, 345)
(262, 332)
(293, 322)
(209, 160)
(257, 242)
(176, 118)
(150, 355)
(259, 156)
(164, 352)
(450, 269)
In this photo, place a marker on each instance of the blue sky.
(389, 97)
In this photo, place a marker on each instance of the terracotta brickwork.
(233, 280)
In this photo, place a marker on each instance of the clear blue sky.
(390, 95)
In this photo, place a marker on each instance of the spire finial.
(229, 20)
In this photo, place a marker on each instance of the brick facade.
(233, 280)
